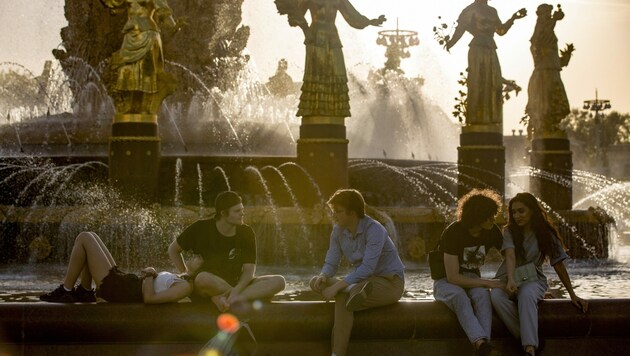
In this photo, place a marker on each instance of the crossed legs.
(214, 287)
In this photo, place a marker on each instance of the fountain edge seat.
(42, 323)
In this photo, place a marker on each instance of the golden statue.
(325, 85)
(140, 83)
(548, 103)
(484, 82)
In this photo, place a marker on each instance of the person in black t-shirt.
(465, 244)
(228, 249)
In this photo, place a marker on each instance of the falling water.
(178, 177)
(274, 212)
(200, 189)
(225, 178)
(205, 87)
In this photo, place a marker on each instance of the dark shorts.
(120, 287)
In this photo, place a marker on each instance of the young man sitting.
(228, 249)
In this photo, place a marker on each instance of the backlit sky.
(599, 29)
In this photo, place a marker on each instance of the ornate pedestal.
(323, 151)
(134, 156)
(553, 184)
(480, 161)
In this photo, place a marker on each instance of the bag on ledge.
(436, 262)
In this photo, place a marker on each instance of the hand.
(580, 303)
(319, 283)
(494, 283)
(448, 45)
(379, 21)
(295, 21)
(330, 292)
(511, 288)
(519, 14)
(558, 15)
(149, 272)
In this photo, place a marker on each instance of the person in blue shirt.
(377, 277)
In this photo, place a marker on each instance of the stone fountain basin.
(296, 328)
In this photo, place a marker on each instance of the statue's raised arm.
(484, 81)
(325, 85)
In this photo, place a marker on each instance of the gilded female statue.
(140, 82)
(548, 103)
(325, 85)
(484, 82)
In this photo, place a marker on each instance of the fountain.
(222, 129)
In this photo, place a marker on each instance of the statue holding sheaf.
(138, 81)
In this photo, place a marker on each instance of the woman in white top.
(91, 261)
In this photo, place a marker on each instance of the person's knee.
(206, 282)
(311, 283)
(279, 283)
(529, 299)
(83, 237)
(499, 298)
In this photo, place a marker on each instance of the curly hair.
(541, 225)
(478, 206)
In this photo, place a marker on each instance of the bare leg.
(86, 253)
(212, 286)
(263, 287)
(86, 276)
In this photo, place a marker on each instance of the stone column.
(134, 156)
(553, 182)
(481, 159)
(323, 151)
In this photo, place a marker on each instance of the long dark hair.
(541, 225)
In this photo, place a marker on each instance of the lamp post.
(597, 105)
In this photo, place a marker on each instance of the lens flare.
(228, 323)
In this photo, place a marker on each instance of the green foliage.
(18, 90)
(585, 129)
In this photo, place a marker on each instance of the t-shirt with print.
(470, 250)
(222, 255)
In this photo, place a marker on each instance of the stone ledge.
(27, 323)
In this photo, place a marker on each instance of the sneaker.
(355, 301)
(59, 295)
(485, 349)
(83, 295)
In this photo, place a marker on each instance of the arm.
(451, 264)
(176, 292)
(246, 278)
(502, 29)
(375, 239)
(459, 32)
(510, 264)
(354, 18)
(561, 270)
(175, 255)
(333, 257)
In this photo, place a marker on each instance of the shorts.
(120, 287)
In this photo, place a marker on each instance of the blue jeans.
(521, 318)
(472, 306)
